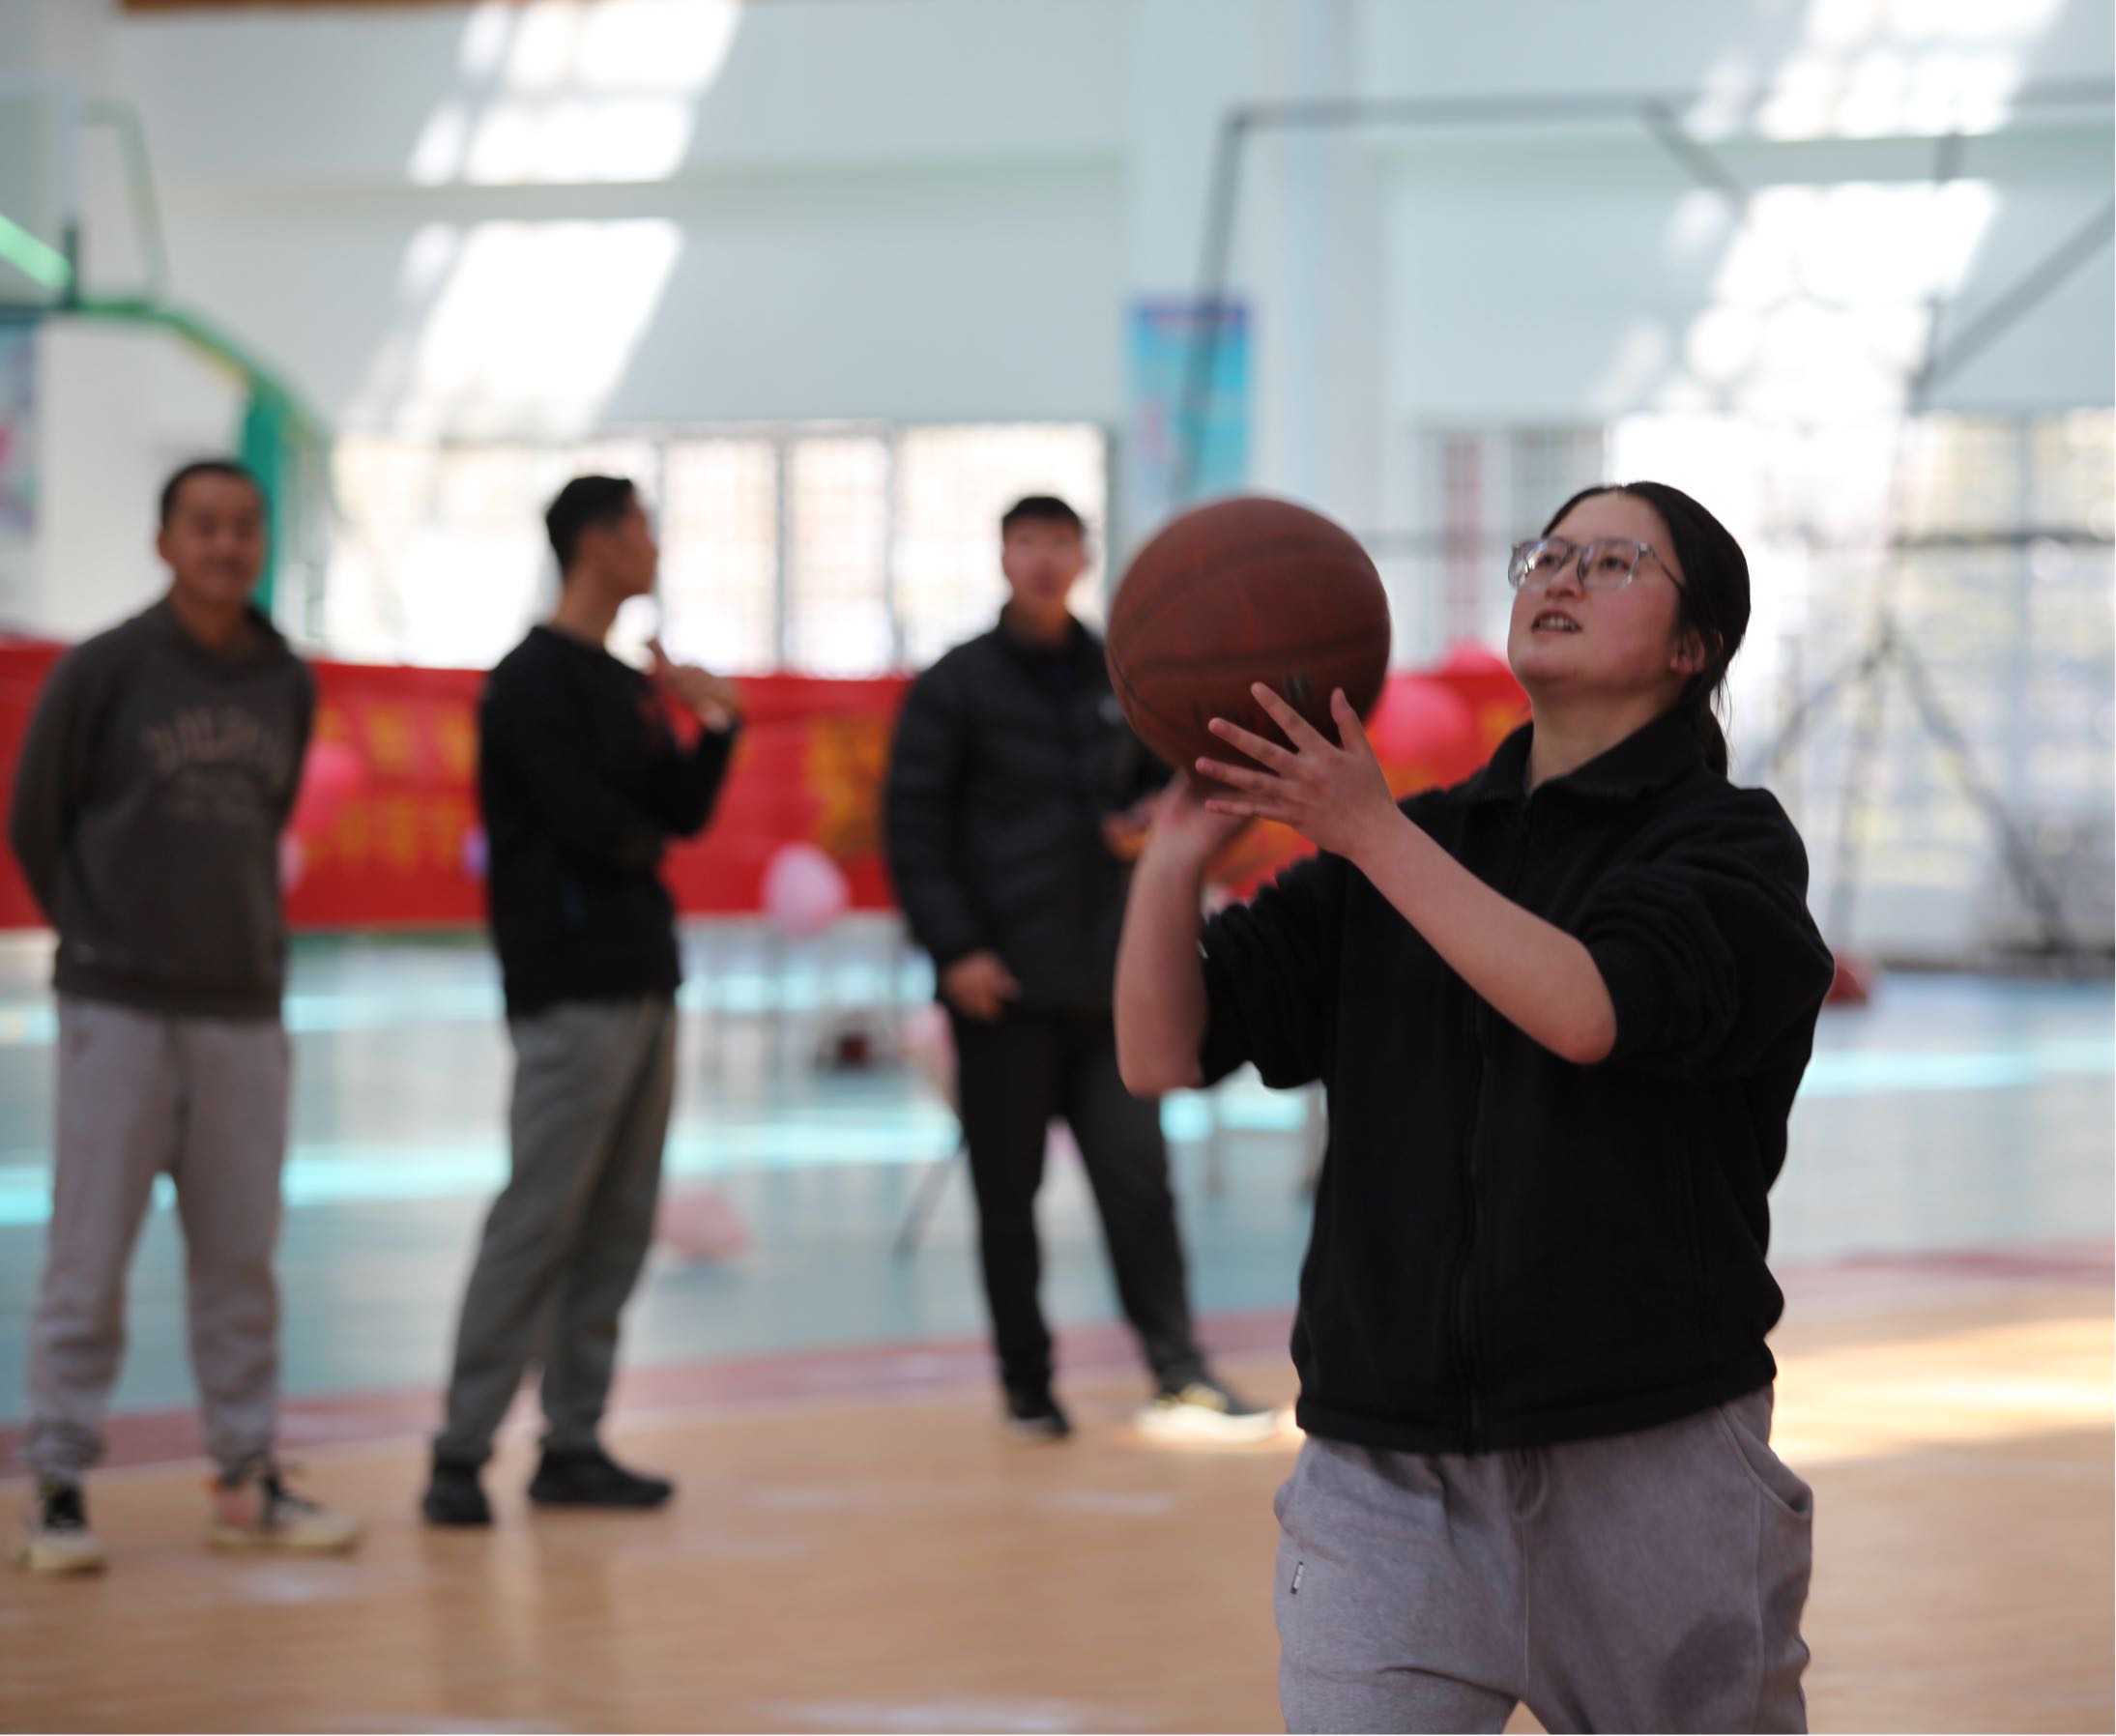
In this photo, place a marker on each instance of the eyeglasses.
(1607, 564)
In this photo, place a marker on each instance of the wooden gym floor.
(855, 1545)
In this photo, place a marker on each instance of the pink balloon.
(1422, 722)
(702, 1225)
(804, 891)
(332, 775)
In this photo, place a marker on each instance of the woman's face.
(1625, 643)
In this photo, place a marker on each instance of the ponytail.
(1697, 708)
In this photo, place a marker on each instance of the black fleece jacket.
(1511, 1250)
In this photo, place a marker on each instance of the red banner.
(386, 830)
(23, 666)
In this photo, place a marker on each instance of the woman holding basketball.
(1560, 1012)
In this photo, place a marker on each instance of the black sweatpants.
(1014, 1077)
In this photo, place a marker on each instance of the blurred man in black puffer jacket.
(1017, 801)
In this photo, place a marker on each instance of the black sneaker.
(454, 1496)
(594, 1479)
(1033, 1414)
(55, 1539)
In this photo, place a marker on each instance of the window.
(952, 484)
(833, 549)
(719, 529)
(1988, 537)
(1487, 489)
(837, 618)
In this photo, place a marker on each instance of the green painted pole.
(263, 450)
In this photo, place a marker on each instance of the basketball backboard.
(38, 199)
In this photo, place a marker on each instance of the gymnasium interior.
(834, 282)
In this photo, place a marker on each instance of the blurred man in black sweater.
(583, 783)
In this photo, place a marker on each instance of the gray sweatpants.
(204, 1101)
(565, 1241)
(1646, 1582)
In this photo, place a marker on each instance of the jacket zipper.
(1482, 1021)
(1465, 1331)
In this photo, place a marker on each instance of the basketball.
(1237, 592)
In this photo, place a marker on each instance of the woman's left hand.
(1334, 794)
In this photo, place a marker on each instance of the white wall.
(477, 219)
(951, 291)
(1517, 47)
(900, 209)
(346, 95)
(1533, 286)
(119, 409)
(938, 209)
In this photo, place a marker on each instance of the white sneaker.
(55, 1536)
(1205, 1412)
(260, 1512)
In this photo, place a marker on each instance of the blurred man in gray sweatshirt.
(159, 768)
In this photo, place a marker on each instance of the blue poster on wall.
(1187, 369)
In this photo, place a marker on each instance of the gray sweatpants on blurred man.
(565, 1240)
(203, 1100)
